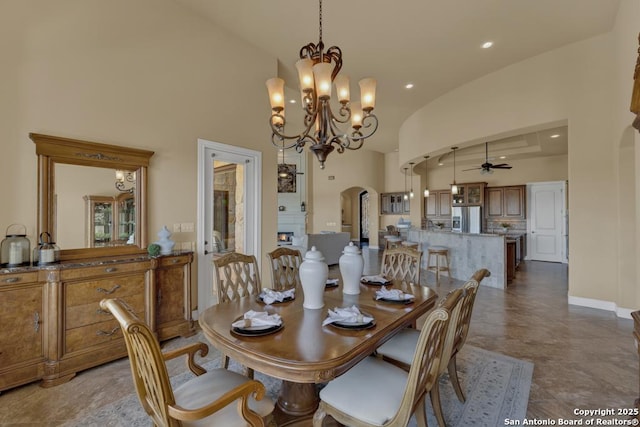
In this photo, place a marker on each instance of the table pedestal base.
(298, 399)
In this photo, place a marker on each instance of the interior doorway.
(548, 225)
(229, 215)
(364, 218)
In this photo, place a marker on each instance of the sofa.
(330, 244)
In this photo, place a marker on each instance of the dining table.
(304, 353)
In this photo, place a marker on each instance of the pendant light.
(411, 190)
(406, 195)
(454, 187)
(426, 187)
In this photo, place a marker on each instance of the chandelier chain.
(320, 20)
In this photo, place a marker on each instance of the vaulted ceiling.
(433, 44)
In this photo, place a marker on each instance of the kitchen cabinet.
(394, 204)
(505, 202)
(511, 259)
(470, 194)
(438, 205)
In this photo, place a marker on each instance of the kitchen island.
(468, 253)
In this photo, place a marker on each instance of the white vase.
(351, 268)
(313, 277)
(166, 244)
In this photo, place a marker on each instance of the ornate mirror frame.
(53, 149)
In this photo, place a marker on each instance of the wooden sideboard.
(52, 324)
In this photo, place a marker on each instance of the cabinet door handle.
(12, 280)
(105, 333)
(110, 269)
(159, 296)
(36, 321)
(104, 291)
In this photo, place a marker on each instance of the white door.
(547, 222)
(228, 208)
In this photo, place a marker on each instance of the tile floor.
(584, 358)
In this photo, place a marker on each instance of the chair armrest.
(242, 392)
(190, 351)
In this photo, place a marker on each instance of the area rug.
(497, 387)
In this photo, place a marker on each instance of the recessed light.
(555, 135)
(503, 157)
(292, 101)
(408, 86)
(487, 45)
(440, 164)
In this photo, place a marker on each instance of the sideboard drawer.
(173, 260)
(79, 293)
(88, 314)
(87, 336)
(103, 270)
(18, 278)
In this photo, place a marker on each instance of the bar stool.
(441, 253)
(408, 244)
(392, 242)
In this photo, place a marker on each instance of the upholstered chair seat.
(211, 386)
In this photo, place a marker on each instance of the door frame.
(564, 218)
(253, 216)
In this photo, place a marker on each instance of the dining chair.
(377, 393)
(236, 276)
(218, 397)
(401, 263)
(284, 263)
(400, 348)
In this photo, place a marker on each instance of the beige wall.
(575, 85)
(147, 74)
(361, 168)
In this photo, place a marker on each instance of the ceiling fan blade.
(501, 166)
(472, 169)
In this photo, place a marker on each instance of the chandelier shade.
(426, 176)
(454, 186)
(318, 71)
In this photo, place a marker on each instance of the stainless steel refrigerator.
(466, 219)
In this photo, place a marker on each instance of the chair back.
(236, 276)
(402, 263)
(285, 265)
(425, 366)
(147, 363)
(466, 309)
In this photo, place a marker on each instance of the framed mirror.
(91, 196)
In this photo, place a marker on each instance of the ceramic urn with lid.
(313, 277)
(351, 268)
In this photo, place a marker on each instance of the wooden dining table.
(304, 352)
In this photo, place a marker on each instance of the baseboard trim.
(601, 305)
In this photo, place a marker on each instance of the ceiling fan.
(486, 167)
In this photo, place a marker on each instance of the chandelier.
(125, 181)
(317, 70)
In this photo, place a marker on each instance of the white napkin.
(257, 318)
(346, 315)
(392, 294)
(375, 279)
(269, 296)
(332, 281)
